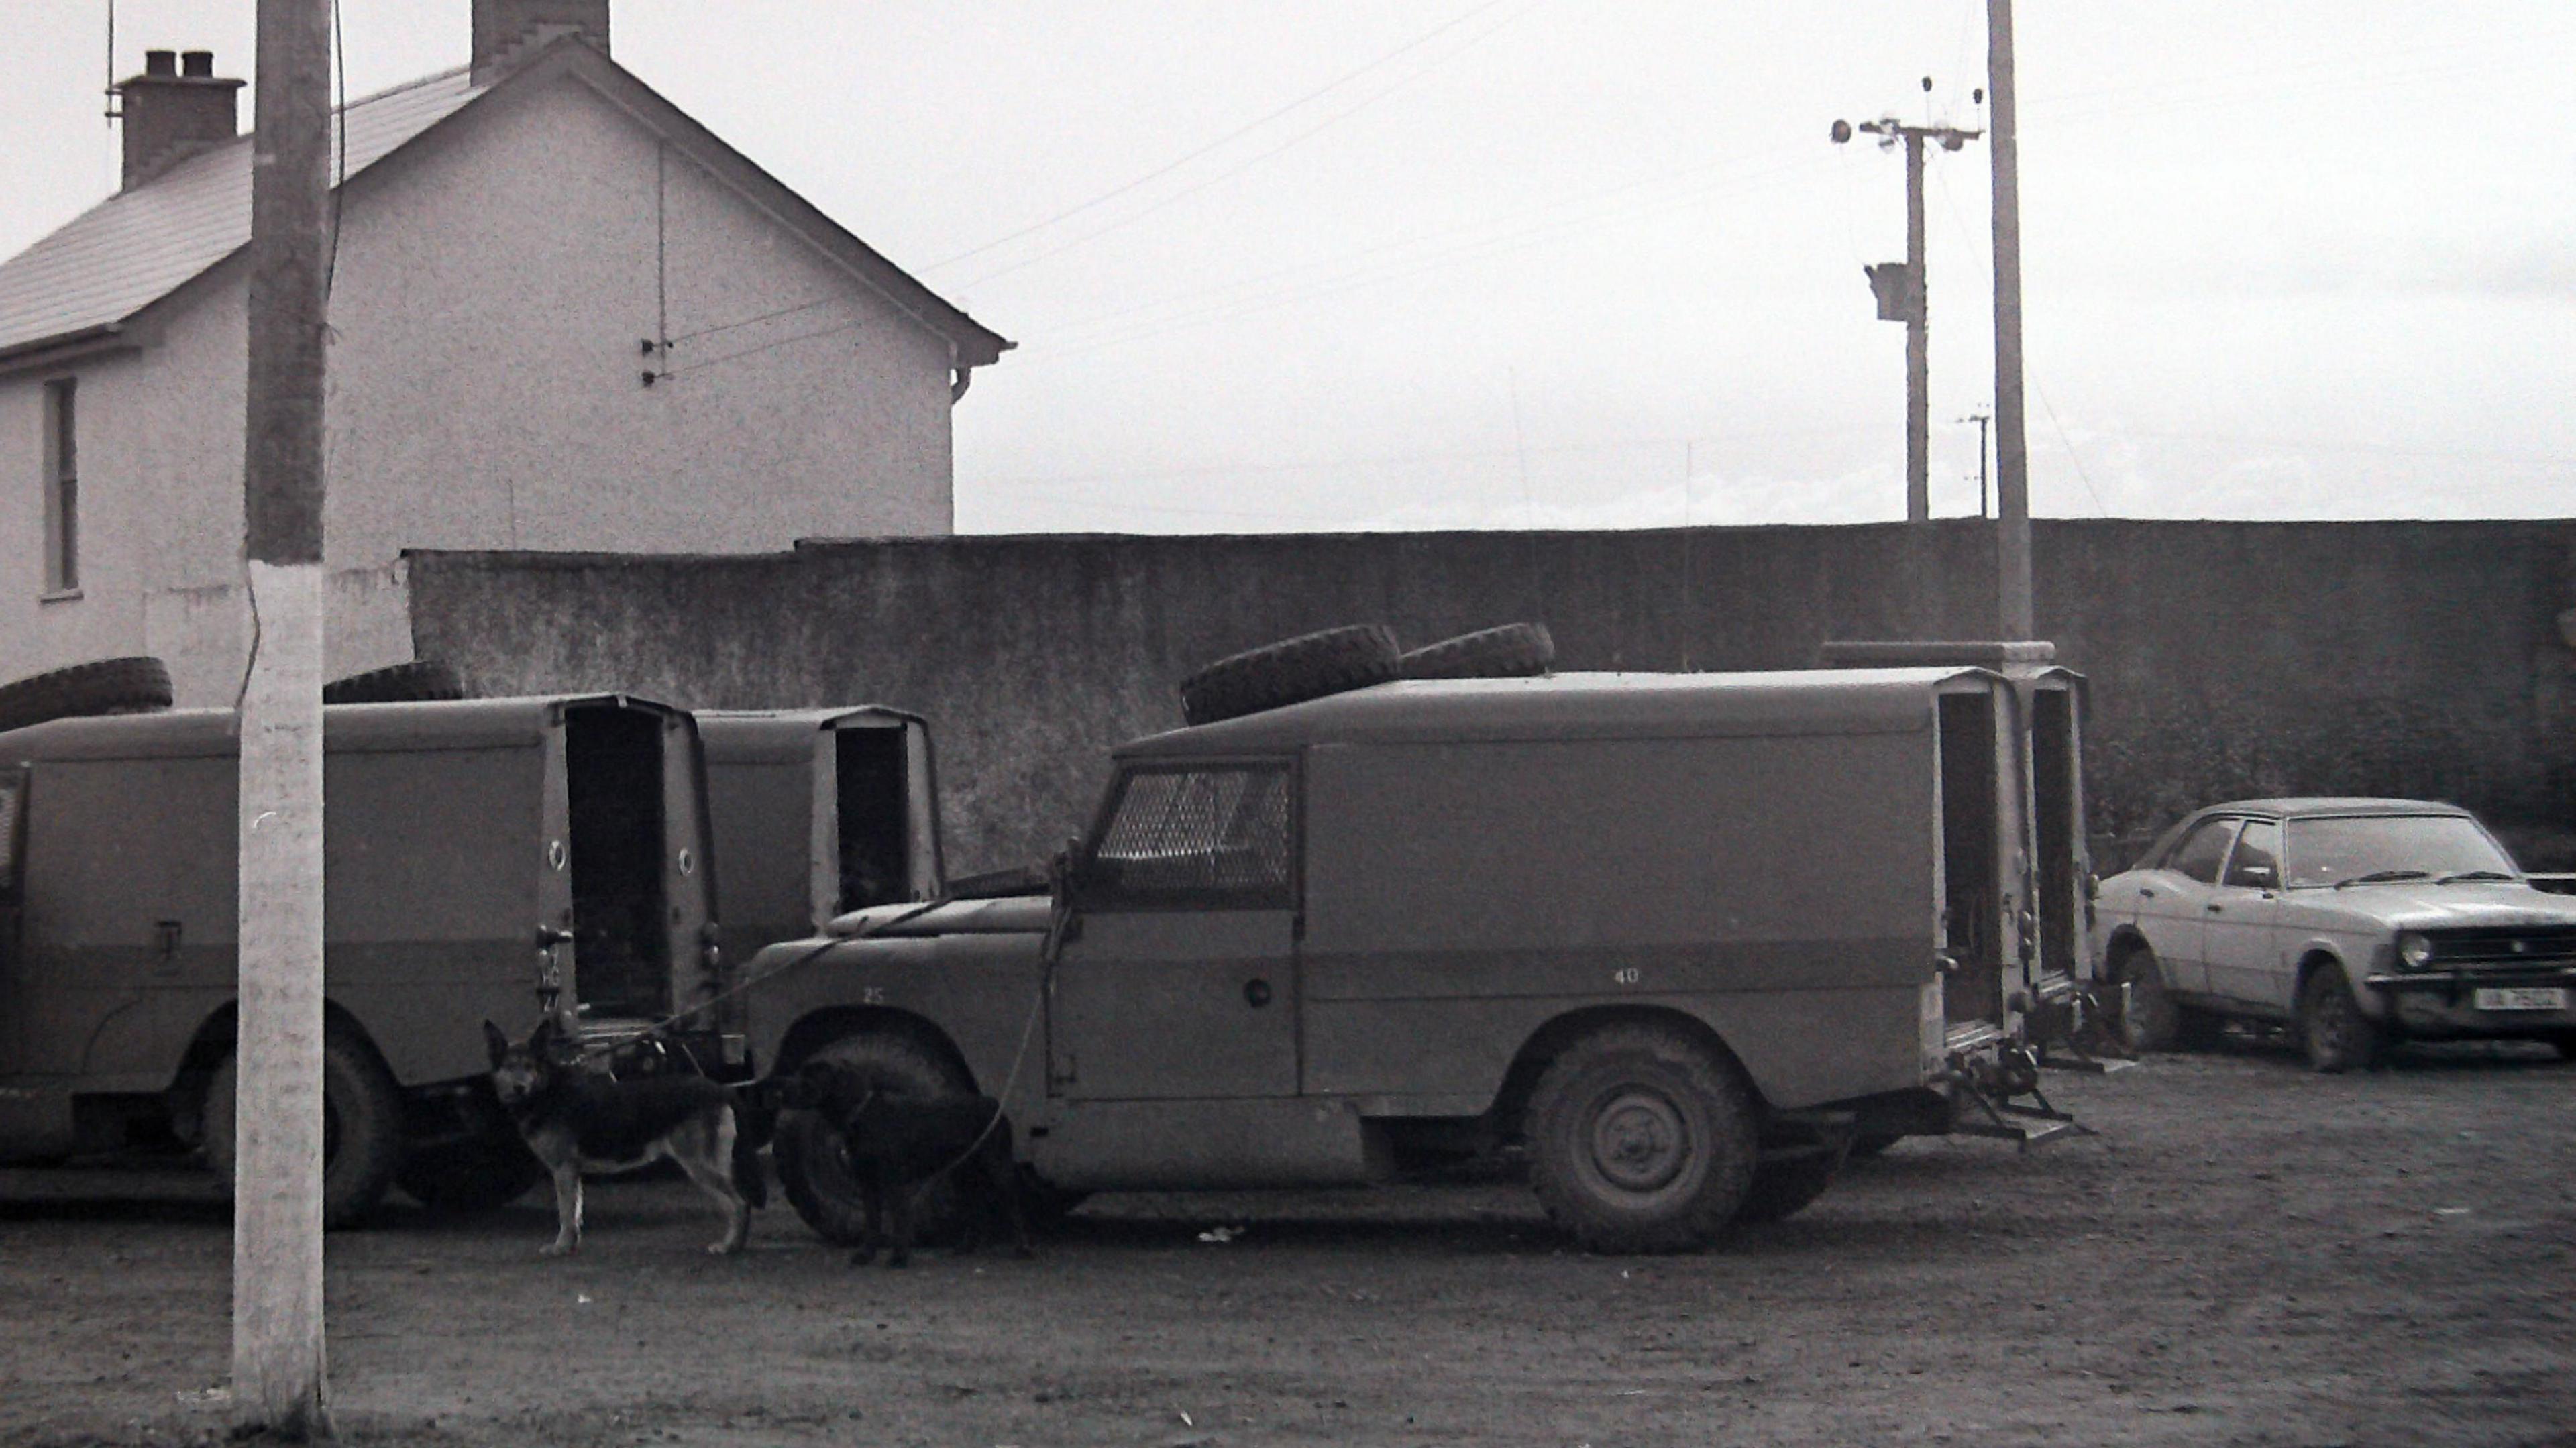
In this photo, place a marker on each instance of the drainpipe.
(957, 389)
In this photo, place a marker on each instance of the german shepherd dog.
(575, 1119)
(897, 1143)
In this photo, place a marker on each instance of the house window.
(62, 489)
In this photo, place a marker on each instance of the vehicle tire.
(1641, 1140)
(1046, 1203)
(2565, 1045)
(2152, 1021)
(1291, 671)
(1784, 1183)
(362, 1122)
(815, 1173)
(466, 1177)
(1513, 651)
(397, 684)
(107, 686)
(2332, 1029)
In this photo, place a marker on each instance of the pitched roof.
(138, 246)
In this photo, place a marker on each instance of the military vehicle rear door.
(1179, 979)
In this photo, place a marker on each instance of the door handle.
(1256, 993)
(2215, 909)
(2146, 894)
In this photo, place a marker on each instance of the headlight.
(2415, 949)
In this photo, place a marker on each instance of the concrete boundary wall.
(2226, 659)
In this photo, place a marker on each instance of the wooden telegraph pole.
(2012, 460)
(278, 1381)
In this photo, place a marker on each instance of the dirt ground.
(2247, 1253)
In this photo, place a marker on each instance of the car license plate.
(2521, 998)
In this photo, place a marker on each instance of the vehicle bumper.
(2443, 1003)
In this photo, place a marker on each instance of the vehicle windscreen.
(2390, 847)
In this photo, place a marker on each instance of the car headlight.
(2415, 949)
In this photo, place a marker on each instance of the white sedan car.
(2358, 922)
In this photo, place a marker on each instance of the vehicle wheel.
(2566, 1046)
(1046, 1203)
(1513, 651)
(1641, 1141)
(1871, 1143)
(1291, 671)
(465, 1177)
(2338, 1037)
(2152, 1022)
(814, 1171)
(107, 686)
(1783, 1183)
(397, 684)
(362, 1117)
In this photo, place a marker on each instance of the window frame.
(60, 413)
(2236, 848)
(2233, 824)
(1089, 894)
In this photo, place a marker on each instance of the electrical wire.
(696, 367)
(1257, 158)
(1236, 134)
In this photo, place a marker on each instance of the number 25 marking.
(1626, 976)
(872, 995)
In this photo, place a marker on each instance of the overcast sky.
(1334, 264)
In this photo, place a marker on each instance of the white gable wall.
(493, 284)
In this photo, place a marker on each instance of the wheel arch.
(2315, 958)
(1558, 1033)
(2126, 940)
(214, 1040)
(817, 1029)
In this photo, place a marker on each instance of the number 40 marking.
(1626, 975)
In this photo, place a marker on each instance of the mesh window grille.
(1197, 837)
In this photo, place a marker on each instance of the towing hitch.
(1987, 1088)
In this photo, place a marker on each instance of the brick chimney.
(173, 110)
(506, 30)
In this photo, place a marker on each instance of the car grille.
(2503, 948)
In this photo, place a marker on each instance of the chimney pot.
(170, 115)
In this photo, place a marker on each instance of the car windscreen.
(2388, 847)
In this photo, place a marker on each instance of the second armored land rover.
(1675, 941)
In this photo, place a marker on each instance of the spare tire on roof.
(106, 686)
(1291, 671)
(1513, 651)
(397, 684)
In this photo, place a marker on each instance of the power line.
(1236, 134)
(1257, 158)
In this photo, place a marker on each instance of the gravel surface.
(2246, 1253)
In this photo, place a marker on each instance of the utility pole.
(2012, 460)
(278, 1381)
(1982, 419)
(1901, 296)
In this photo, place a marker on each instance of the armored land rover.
(1673, 941)
(477, 853)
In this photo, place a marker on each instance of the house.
(564, 316)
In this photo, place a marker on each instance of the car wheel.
(362, 1120)
(2337, 1036)
(1785, 1181)
(814, 1170)
(417, 681)
(2151, 1021)
(1641, 1140)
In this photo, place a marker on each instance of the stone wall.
(2226, 659)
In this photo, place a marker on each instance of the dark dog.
(896, 1144)
(575, 1119)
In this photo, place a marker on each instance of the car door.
(2173, 910)
(1178, 979)
(2242, 917)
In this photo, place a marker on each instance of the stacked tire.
(1339, 660)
